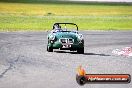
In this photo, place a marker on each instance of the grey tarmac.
(25, 63)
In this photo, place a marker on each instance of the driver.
(57, 28)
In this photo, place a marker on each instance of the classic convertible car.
(65, 36)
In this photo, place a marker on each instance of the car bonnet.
(65, 35)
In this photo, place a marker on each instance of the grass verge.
(26, 16)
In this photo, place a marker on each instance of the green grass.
(31, 16)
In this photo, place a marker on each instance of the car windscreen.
(68, 27)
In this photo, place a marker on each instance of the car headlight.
(80, 36)
(52, 37)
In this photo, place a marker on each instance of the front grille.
(66, 40)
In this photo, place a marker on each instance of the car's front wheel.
(49, 49)
(80, 50)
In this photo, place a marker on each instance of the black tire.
(49, 49)
(81, 80)
(80, 50)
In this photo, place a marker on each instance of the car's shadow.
(66, 52)
(96, 54)
(82, 54)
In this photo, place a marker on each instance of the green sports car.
(65, 36)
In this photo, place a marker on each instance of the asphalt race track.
(25, 63)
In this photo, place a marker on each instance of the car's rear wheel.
(80, 50)
(49, 49)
